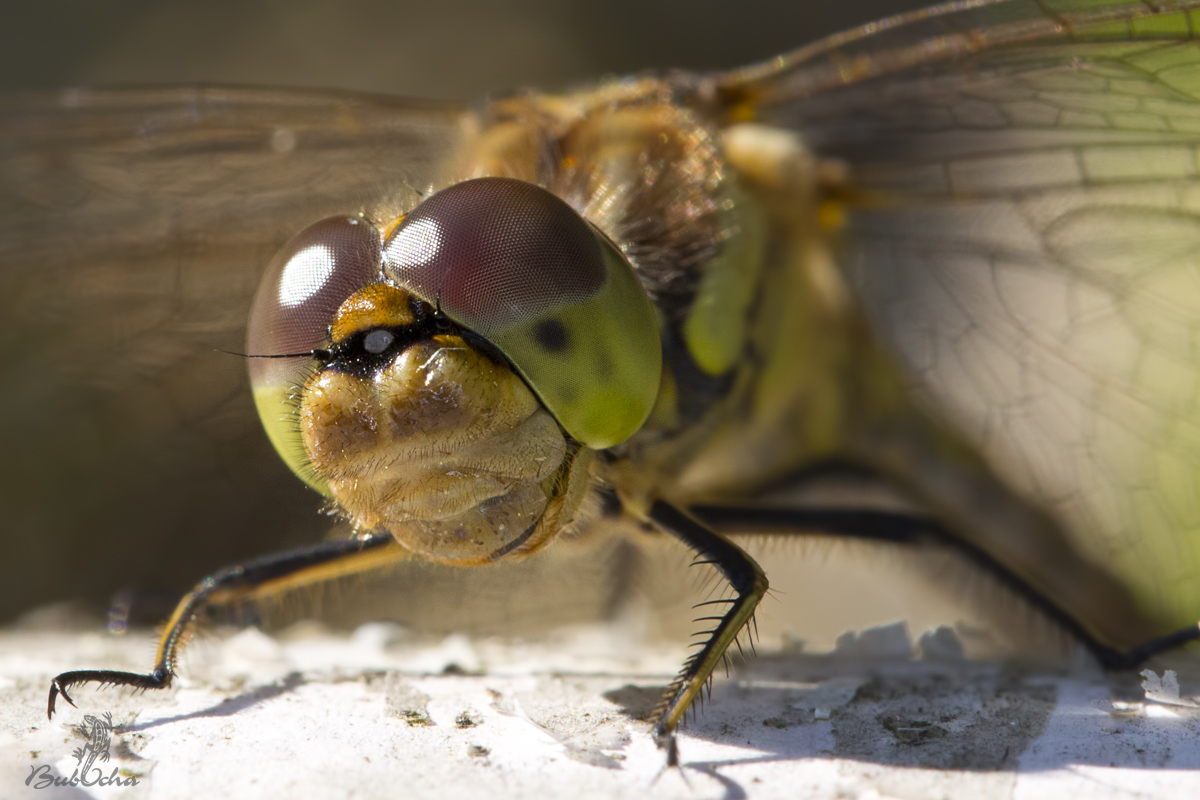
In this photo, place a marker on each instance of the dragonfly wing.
(1024, 233)
(133, 227)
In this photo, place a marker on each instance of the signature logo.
(97, 736)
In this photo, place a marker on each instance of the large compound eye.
(518, 266)
(299, 294)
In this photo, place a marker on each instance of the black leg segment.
(749, 584)
(293, 567)
(914, 529)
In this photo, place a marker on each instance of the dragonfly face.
(957, 252)
(416, 420)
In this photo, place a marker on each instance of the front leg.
(255, 579)
(749, 583)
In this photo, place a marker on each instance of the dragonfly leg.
(261, 577)
(915, 530)
(1136, 656)
(749, 583)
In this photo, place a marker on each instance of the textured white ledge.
(382, 713)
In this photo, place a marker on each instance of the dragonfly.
(953, 249)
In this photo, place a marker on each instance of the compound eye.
(513, 263)
(299, 294)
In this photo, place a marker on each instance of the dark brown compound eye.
(305, 283)
(491, 253)
(300, 292)
(515, 264)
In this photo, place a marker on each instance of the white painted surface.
(383, 713)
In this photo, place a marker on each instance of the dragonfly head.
(454, 374)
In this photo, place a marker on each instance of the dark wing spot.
(552, 335)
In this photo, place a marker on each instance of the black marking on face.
(369, 350)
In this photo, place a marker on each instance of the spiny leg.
(257, 578)
(915, 529)
(750, 584)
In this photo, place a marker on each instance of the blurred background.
(458, 49)
(85, 526)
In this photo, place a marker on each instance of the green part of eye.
(276, 404)
(596, 364)
(716, 327)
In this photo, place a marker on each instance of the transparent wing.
(1024, 233)
(133, 227)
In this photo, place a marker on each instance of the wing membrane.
(1024, 233)
(133, 227)
(953, 31)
